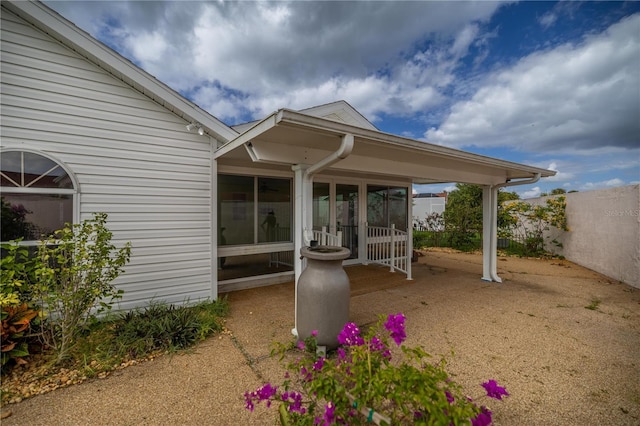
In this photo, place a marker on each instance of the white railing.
(389, 246)
(324, 238)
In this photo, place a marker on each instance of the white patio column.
(302, 211)
(489, 233)
(409, 231)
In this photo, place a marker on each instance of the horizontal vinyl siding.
(133, 160)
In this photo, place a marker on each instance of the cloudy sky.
(554, 85)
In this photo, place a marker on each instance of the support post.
(392, 237)
(489, 233)
(299, 224)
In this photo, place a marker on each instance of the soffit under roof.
(287, 137)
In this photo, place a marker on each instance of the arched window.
(37, 195)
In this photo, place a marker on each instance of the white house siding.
(425, 206)
(133, 159)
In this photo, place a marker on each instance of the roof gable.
(340, 111)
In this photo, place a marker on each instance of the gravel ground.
(563, 364)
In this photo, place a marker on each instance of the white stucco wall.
(604, 232)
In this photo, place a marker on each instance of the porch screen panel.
(377, 212)
(321, 205)
(236, 209)
(398, 214)
(347, 216)
(387, 206)
(274, 210)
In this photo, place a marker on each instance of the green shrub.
(18, 274)
(15, 321)
(18, 309)
(531, 224)
(161, 327)
(74, 274)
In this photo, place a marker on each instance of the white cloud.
(548, 19)
(149, 47)
(560, 176)
(293, 54)
(531, 193)
(574, 97)
(604, 184)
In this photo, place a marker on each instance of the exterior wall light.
(193, 126)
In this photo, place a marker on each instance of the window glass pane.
(26, 169)
(347, 216)
(398, 208)
(29, 216)
(236, 213)
(377, 206)
(274, 210)
(252, 265)
(387, 206)
(321, 203)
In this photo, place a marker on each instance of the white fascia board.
(70, 35)
(262, 126)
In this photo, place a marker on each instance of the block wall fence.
(604, 232)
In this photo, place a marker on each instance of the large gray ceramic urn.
(323, 295)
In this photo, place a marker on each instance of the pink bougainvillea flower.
(377, 345)
(395, 326)
(317, 366)
(493, 390)
(329, 415)
(350, 335)
(263, 393)
(483, 418)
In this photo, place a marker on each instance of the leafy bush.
(18, 274)
(15, 321)
(17, 308)
(529, 224)
(360, 384)
(74, 273)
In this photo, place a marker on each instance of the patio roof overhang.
(287, 138)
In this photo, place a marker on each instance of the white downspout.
(304, 197)
(307, 182)
(490, 235)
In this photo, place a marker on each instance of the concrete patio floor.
(563, 364)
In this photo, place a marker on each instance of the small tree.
(74, 272)
(463, 215)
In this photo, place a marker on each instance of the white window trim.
(75, 192)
